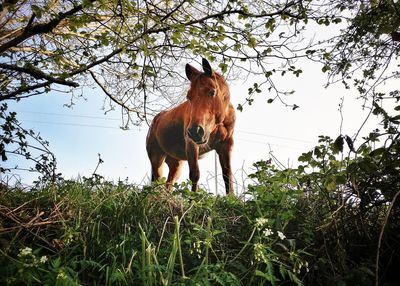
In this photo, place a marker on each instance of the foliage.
(334, 220)
(130, 49)
(352, 202)
(19, 143)
(366, 52)
(95, 232)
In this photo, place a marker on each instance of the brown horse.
(202, 123)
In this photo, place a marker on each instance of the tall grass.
(294, 228)
(99, 233)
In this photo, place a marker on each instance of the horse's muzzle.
(197, 134)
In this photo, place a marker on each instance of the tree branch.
(119, 102)
(39, 28)
(38, 74)
(13, 95)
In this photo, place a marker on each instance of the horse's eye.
(212, 92)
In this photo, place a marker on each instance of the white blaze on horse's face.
(205, 103)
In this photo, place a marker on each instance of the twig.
(380, 238)
(28, 225)
(119, 102)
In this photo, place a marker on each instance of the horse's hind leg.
(157, 161)
(175, 168)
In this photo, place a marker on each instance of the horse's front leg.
(224, 153)
(192, 153)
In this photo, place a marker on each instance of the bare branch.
(38, 74)
(119, 102)
(14, 94)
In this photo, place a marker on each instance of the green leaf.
(325, 68)
(338, 144)
(341, 179)
(223, 67)
(330, 183)
(378, 152)
(268, 74)
(37, 10)
(87, 3)
(252, 42)
(297, 72)
(368, 166)
(270, 24)
(306, 157)
(267, 51)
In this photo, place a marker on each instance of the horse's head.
(209, 99)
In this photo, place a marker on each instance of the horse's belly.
(175, 147)
(176, 151)
(203, 150)
(172, 142)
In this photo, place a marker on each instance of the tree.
(368, 47)
(130, 49)
(133, 51)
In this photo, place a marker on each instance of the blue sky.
(78, 134)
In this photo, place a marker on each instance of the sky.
(78, 134)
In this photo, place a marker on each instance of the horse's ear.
(206, 67)
(190, 71)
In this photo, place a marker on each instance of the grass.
(93, 232)
(99, 233)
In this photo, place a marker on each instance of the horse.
(204, 122)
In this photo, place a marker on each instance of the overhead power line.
(80, 125)
(69, 115)
(273, 136)
(118, 119)
(269, 143)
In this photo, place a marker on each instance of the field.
(293, 228)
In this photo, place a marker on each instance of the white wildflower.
(197, 248)
(25, 251)
(258, 252)
(281, 235)
(61, 275)
(260, 222)
(43, 259)
(268, 232)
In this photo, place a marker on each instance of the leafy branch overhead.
(133, 50)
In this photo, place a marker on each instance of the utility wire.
(273, 136)
(69, 115)
(268, 143)
(79, 124)
(118, 119)
(140, 130)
